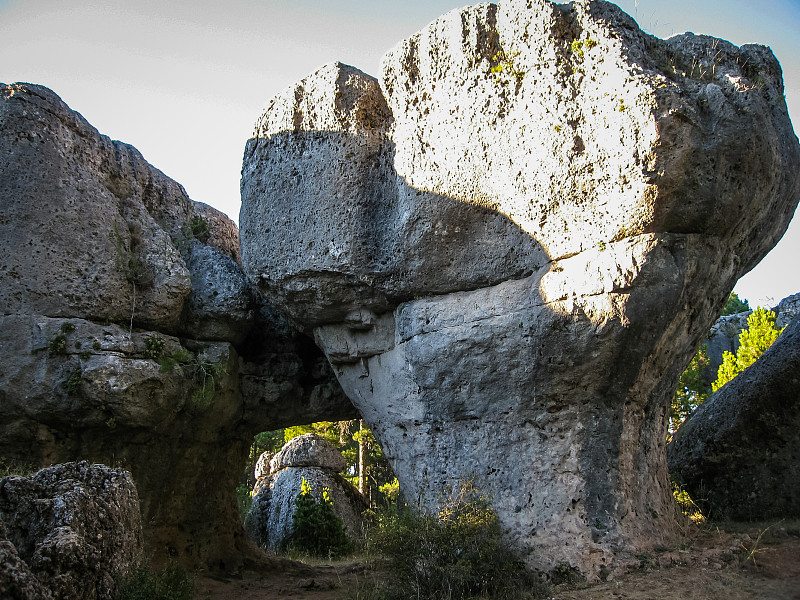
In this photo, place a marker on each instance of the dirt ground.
(738, 563)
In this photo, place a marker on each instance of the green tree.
(316, 527)
(761, 332)
(734, 305)
(691, 392)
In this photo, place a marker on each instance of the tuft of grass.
(10, 466)
(146, 583)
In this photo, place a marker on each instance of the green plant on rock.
(205, 373)
(577, 47)
(10, 466)
(316, 528)
(57, 346)
(199, 228)
(153, 347)
(72, 382)
(503, 63)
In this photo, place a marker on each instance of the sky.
(184, 82)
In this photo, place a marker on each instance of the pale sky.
(184, 81)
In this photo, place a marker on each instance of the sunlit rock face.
(510, 246)
(129, 334)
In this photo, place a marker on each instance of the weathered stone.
(17, 582)
(221, 305)
(308, 450)
(308, 458)
(738, 454)
(126, 326)
(76, 526)
(787, 310)
(510, 247)
(262, 468)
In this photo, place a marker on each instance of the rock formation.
(129, 334)
(69, 532)
(738, 454)
(305, 458)
(511, 245)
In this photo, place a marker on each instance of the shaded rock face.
(739, 452)
(71, 531)
(269, 522)
(129, 334)
(511, 245)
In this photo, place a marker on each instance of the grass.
(170, 583)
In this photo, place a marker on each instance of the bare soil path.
(711, 564)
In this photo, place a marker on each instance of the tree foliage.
(691, 392)
(761, 332)
(734, 305)
(317, 529)
(346, 436)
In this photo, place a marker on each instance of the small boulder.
(74, 529)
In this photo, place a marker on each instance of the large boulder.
(71, 532)
(129, 334)
(307, 458)
(511, 245)
(738, 454)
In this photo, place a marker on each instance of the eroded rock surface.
(739, 452)
(308, 458)
(127, 330)
(511, 245)
(71, 531)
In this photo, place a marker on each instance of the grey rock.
(222, 304)
(309, 458)
(510, 246)
(76, 526)
(787, 310)
(308, 450)
(129, 335)
(262, 468)
(17, 582)
(738, 454)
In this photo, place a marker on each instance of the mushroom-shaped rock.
(307, 458)
(511, 245)
(308, 450)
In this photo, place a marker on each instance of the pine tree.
(761, 332)
(691, 392)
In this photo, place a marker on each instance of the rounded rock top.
(308, 450)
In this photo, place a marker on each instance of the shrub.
(171, 583)
(316, 529)
(458, 552)
(153, 347)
